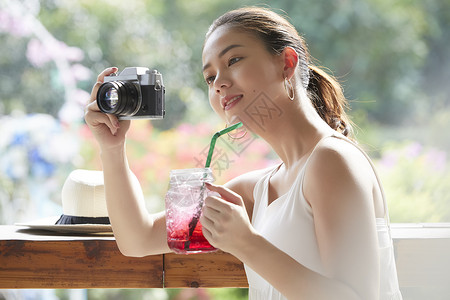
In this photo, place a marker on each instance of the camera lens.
(118, 98)
(111, 98)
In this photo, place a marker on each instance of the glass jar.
(184, 202)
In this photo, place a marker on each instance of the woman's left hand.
(225, 221)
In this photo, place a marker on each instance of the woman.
(313, 227)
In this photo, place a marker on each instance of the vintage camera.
(136, 93)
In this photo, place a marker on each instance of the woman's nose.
(221, 82)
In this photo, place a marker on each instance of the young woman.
(313, 227)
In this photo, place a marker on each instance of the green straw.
(214, 139)
(196, 216)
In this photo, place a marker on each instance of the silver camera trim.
(140, 74)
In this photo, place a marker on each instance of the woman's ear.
(290, 62)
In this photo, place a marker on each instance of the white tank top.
(289, 225)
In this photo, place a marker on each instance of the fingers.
(100, 79)
(93, 107)
(106, 72)
(212, 207)
(216, 206)
(224, 219)
(94, 117)
(114, 121)
(207, 233)
(207, 223)
(226, 194)
(211, 223)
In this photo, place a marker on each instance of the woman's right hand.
(106, 128)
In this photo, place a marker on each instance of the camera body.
(135, 93)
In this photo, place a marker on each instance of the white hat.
(84, 206)
(83, 199)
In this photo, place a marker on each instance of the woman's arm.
(341, 187)
(137, 233)
(345, 229)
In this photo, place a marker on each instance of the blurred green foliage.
(390, 55)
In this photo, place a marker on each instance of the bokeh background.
(392, 57)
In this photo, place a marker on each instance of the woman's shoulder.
(337, 152)
(338, 166)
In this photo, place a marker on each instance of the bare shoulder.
(244, 185)
(337, 167)
(338, 155)
(339, 151)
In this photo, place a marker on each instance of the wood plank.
(75, 264)
(212, 270)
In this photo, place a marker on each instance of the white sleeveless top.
(292, 217)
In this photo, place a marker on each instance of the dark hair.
(277, 33)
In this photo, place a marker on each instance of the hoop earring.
(289, 88)
(239, 137)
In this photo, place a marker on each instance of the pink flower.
(389, 159)
(37, 54)
(413, 150)
(13, 25)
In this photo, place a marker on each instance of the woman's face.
(237, 69)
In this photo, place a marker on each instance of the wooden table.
(31, 259)
(43, 260)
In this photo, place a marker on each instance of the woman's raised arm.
(137, 232)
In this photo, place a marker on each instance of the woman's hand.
(106, 128)
(225, 221)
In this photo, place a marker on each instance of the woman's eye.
(210, 79)
(234, 60)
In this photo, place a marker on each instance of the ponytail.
(328, 99)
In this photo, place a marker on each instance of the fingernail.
(208, 184)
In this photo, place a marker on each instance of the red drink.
(196, 243)
(184, 202)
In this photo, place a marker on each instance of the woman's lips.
(231, 101)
